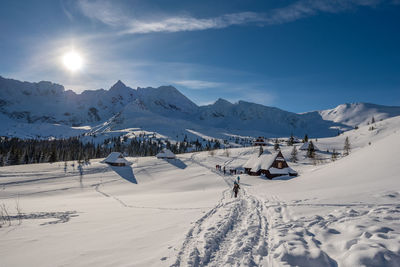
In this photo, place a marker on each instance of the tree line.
(14, 151)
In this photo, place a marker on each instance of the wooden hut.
(116, 159)
(306, 145)
(260, 141)
(166, 154)
(269, 165)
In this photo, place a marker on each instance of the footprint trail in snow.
(232, 233)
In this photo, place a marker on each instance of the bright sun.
(72, 61)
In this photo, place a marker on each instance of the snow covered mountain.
(357, 114)
(248, 117)
(172, 118)
(25, 105)
(51, 103)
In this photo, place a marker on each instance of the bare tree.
(5, 216)
(18, 209)
(227, 154)
(334, 155)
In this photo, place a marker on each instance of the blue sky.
(296, 55)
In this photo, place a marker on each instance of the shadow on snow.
(125, 172)
(177, 163)
(279, 178)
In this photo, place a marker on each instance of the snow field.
(182, 213)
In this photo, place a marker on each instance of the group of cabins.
(261, 141)
(267, 164)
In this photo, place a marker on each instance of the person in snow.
(238, 179)
(224, 170)
(236, 188)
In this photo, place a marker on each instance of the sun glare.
(72, 61)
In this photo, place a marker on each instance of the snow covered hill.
(357, 114)
(181, 212)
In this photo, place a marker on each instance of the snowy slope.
(356, 114)
(10, 127)
(181, 212)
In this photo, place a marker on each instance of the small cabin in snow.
(260, 141)
(116, 159)
(166, 154)
(268, 164)
(307, 144)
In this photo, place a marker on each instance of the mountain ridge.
(124, 107)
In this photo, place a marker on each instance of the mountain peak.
(118, 85)
(221, 101)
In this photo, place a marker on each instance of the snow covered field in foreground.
(181, 212)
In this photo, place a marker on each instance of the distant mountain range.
(47, 109)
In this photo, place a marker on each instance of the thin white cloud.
(110, 14)
(198, 84)
(105, 11)
(187, 23)
(259, 97)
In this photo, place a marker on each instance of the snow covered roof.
(249, 164)
(115, 157)
(306, 144)
(263, 161)
(165, 153)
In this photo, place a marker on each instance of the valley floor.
(182, 213)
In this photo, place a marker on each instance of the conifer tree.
(290, 141)
(305, 138)
(294, 154)
(346, 147)
(53, 156)
(311, 150)
(276, 144)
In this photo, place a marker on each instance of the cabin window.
(279, 165)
